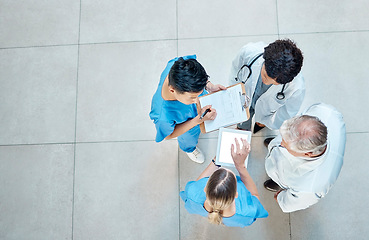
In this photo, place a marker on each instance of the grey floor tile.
(112, 21)
(322, 16)
(36, 194)
(126, 191)
(38, 94)
(221, 18)
(343, 213)
(276, 226)
(37, 23)
(334, 74)
(115, 88)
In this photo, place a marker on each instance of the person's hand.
(276, 195)
(239, 156)
(214, 88)
(208, 116)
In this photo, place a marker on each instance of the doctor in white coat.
(272, 82)
(305, 159)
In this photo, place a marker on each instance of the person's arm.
(211, 168)
(239, 156)
(181, 128)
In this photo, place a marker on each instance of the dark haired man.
(173, 107)
(275, 87)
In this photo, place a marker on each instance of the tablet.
(225, 140)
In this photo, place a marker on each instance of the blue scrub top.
(248, 207)
(166, 114)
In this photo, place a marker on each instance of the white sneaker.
(196, 156)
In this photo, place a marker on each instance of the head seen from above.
(187, 79)
(221, 190)
(304, 136)
(283, 61)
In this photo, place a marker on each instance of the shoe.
(270, 185)
(267, 141)
(244, 126)
(257, 128)
(196, 156)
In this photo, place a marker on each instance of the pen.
(203, 115)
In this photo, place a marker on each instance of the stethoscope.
(280, 95)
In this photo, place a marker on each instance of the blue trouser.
(188, 140)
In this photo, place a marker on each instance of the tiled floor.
(77, 153)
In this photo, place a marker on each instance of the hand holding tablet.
(239, 154)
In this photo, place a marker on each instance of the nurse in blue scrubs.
(223, 197)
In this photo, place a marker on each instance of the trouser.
(247, 124)
(188, 141)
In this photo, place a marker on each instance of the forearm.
(247, 180)
(209, 170)
(184, 127)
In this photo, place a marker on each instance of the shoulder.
(297, 84)
(195, 190)
(320, 108)
(328, 114)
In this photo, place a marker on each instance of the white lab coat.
(268, 109)
(306, 181)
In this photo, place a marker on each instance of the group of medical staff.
(303, 161)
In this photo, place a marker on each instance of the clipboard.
(232, 106)
(225, 140)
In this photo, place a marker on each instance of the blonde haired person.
(223, 197)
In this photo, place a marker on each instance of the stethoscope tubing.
(280, 95)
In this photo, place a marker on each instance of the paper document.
(225, 140)
(229, 106)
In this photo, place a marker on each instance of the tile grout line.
(75, 117)
(125, 141)
(67, 143)
(188, 38)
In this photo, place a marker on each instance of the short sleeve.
(194, 197)
(194, 191)
(163, 129)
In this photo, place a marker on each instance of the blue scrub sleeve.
(194, 190)
(163, 130)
